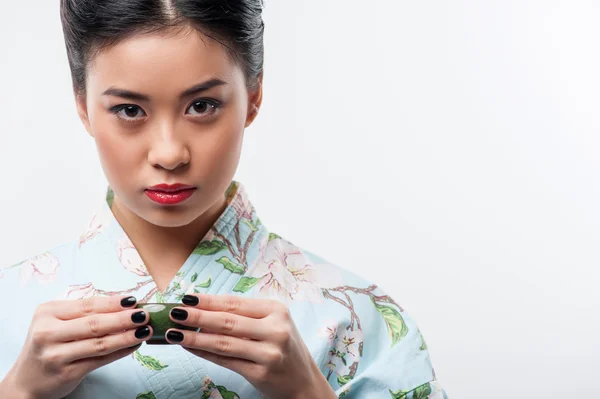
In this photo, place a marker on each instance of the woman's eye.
(202, 107)
(129, 112)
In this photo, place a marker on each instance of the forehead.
(171, 61)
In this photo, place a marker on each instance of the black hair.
(89, 26)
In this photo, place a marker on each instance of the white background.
(447, 151)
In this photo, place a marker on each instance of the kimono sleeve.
(23, 286)
(381, 353)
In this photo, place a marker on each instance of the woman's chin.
(170, 217)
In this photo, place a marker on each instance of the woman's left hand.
(255, 338)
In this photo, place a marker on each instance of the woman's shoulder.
(285, 270)
(363, 322)
(40, 272)
(294, 275)
(298, 273)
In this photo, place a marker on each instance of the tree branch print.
(368, 291)
(129, 291)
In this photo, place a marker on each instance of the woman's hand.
(69, 339)
(255, 338)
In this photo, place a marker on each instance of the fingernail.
(175, 336)
(128, 302)
(142, 332)
(179, 314)
(190, 300)
(138, 317)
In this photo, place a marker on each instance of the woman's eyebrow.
(199, 88)
(135, 96)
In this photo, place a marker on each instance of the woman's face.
(167, 109)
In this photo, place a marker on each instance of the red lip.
(170, 194)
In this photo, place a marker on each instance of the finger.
(219, 344)
(240, 366)
(249, 307)
(99, 325)
(222, 323)
(103, 346)
(86, 366)
(73, 309)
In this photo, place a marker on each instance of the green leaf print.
(274, 236)
(246, 283)
(209, 247)
(249, 223)
(230, 265)
(146, 395)
(194, 277)
(205, 284)
(231, 191)
(343, 380)
(227, 394)
(149, 362)
(394, 321)
(399, 394)
(422, 392)
(159, 297)
(110, 196)
(424, 344)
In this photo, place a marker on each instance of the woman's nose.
(168, 151)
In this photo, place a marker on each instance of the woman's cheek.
(225, 153)
(117, 157)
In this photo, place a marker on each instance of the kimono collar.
(217, 263)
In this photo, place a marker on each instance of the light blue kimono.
(362, 340)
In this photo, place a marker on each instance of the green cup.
(160, 321)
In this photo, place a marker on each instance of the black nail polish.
(128, 302)
(138, 317)
(179, 314)
(142, 332)
(175, 336)
(190, 300)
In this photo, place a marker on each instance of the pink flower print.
(187, 287)
(329, 332)
(96, 226)
(308, 281)
(80, 291)
(346, 351)
(206, 382)
(130, 258)
(215, 394)
(286, 273)
(43, 267)
(209, 387)
(276, 271)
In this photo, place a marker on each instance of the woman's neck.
(165, 249)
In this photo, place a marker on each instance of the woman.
(166, 89)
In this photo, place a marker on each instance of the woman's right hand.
(69, 339)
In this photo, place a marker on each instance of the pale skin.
(171, 107)
(68, 340)
(254, 338)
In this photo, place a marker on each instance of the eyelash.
(216, 105)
